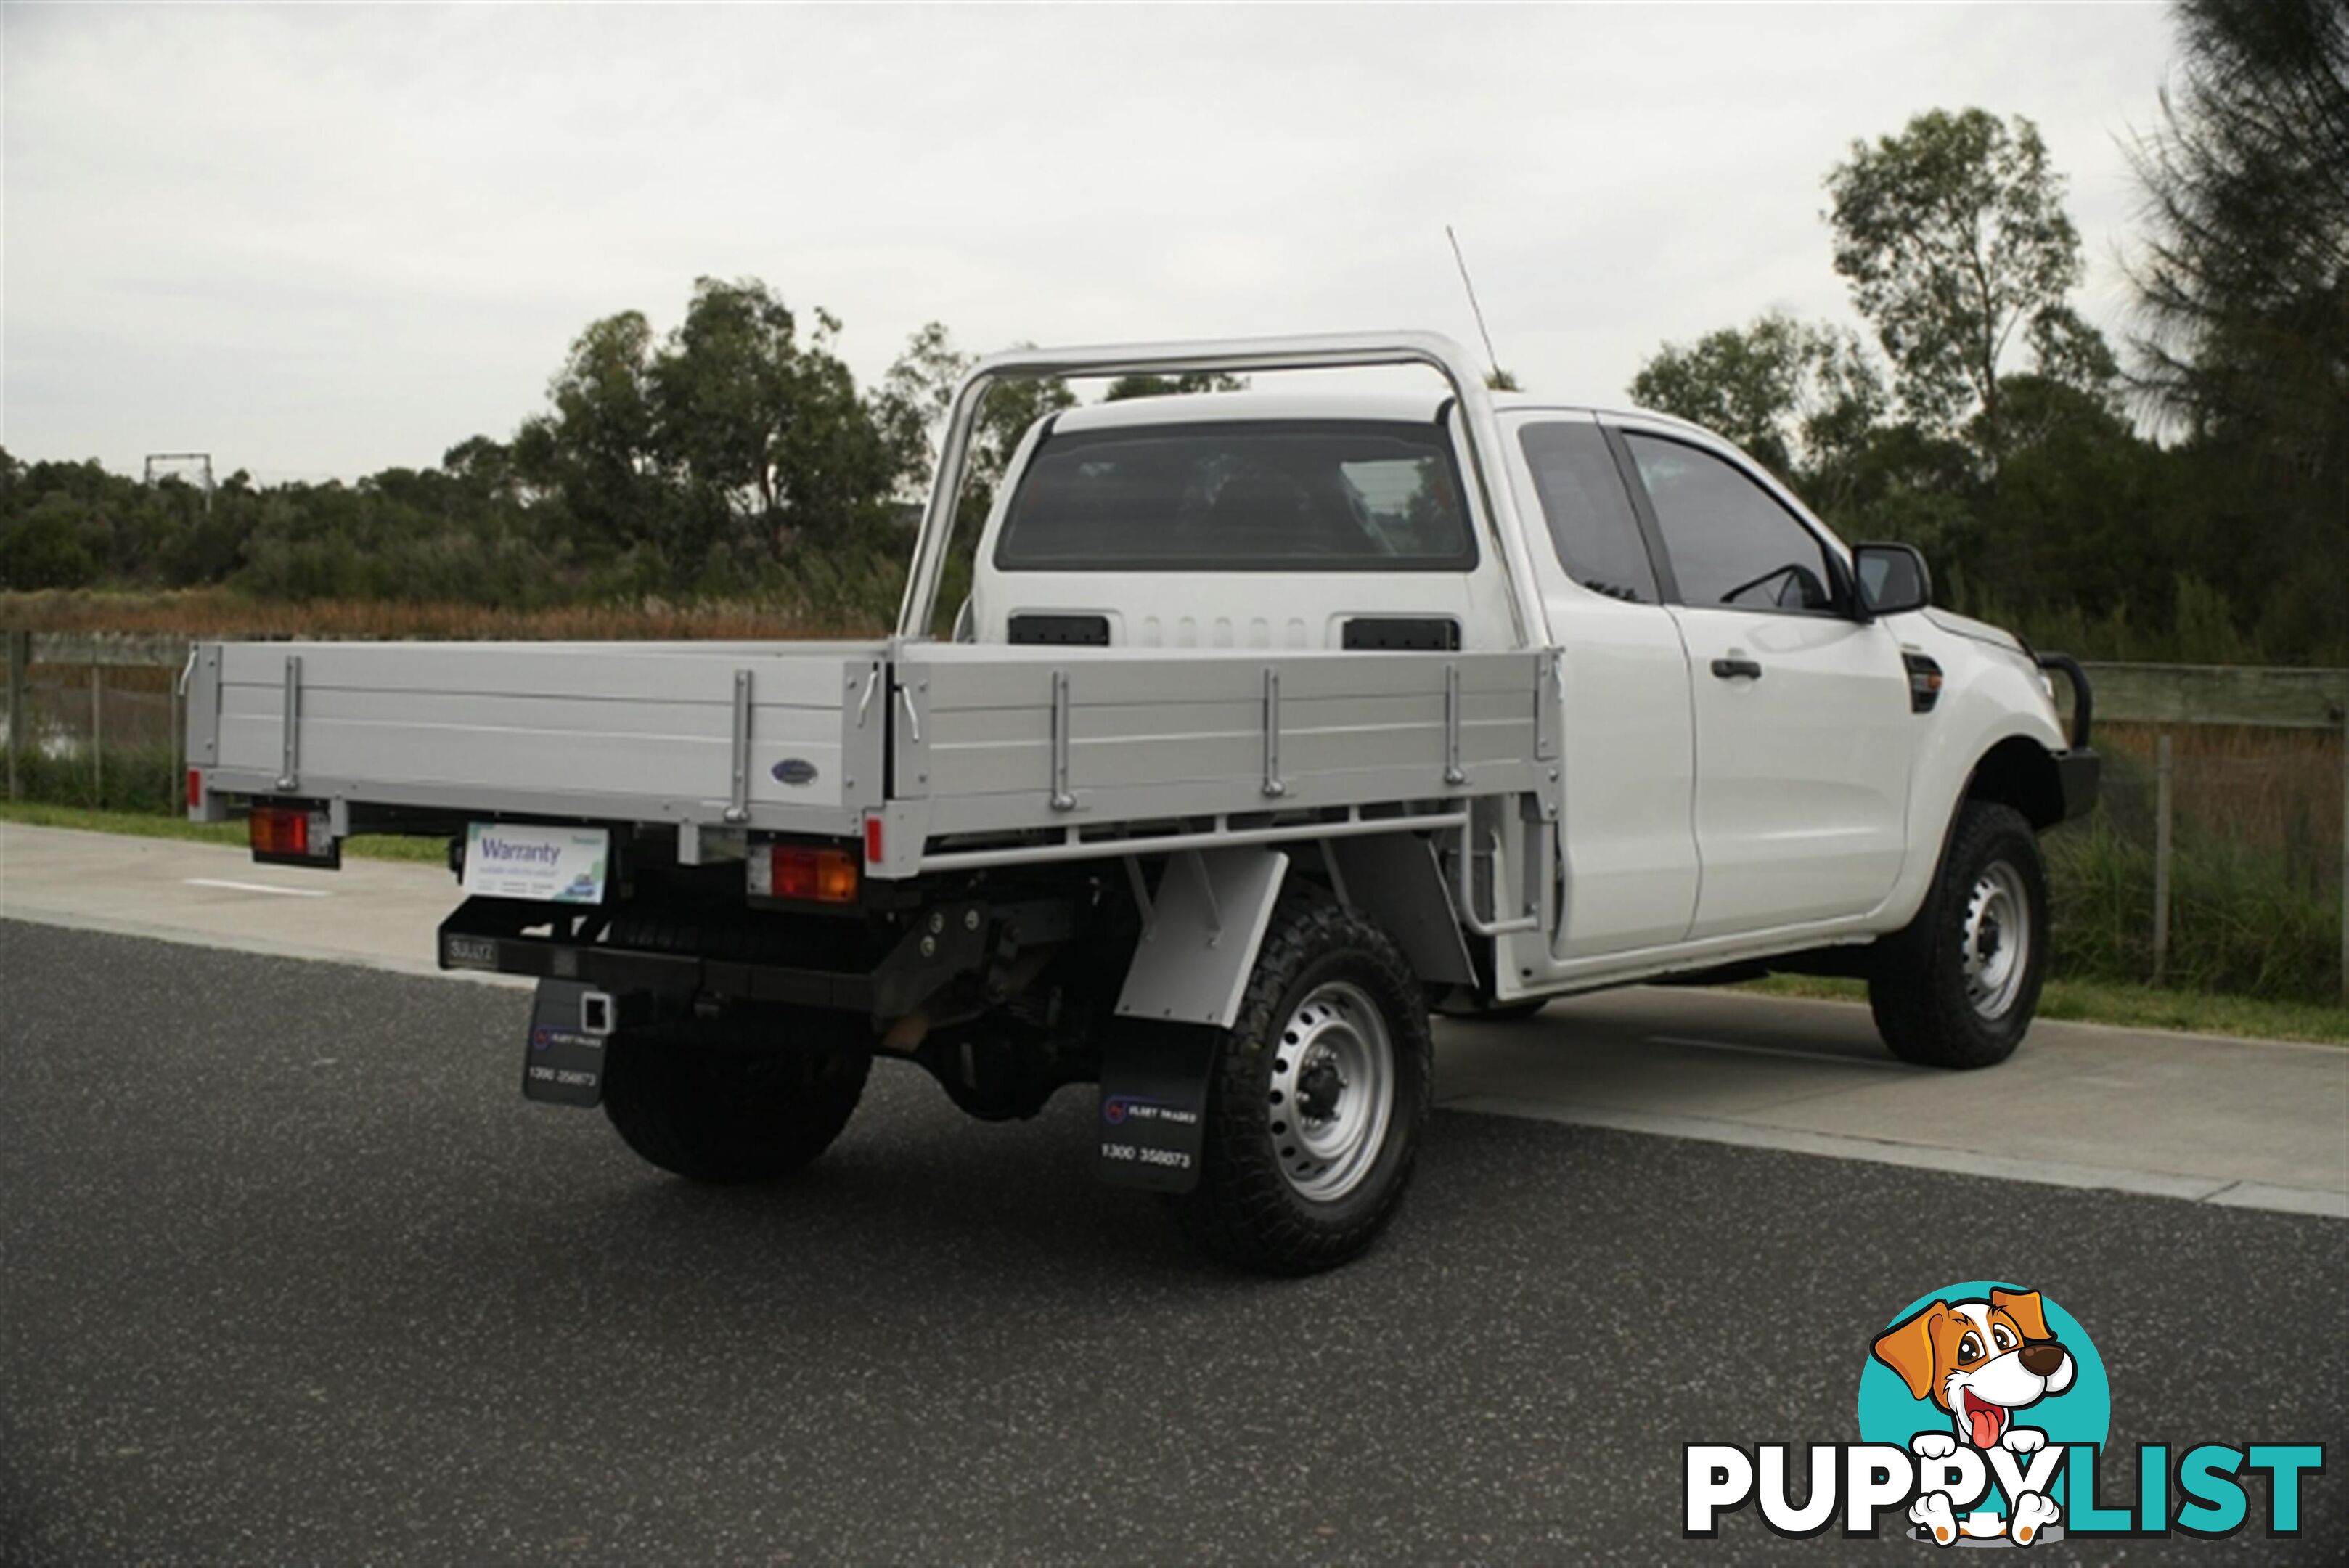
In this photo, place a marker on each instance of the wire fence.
(104, 737)
(2253, 877)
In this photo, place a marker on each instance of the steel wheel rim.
(1332, 1092)
(1995, 950)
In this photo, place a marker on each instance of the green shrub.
(133, 779)
(2246, 916)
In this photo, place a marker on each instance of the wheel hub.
(1332, 1092)
(1995, 940)
(1317, 1088)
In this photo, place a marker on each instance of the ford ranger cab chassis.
(1272, 723)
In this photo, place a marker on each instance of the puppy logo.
(1983, 1411)
(1986, 1371)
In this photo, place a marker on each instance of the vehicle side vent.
(1077, 630)
(1427, 634)
(1924, 682)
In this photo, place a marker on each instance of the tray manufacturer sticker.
(469, 952)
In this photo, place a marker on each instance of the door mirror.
(1892, 578)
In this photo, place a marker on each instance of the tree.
(1795, 396)
(834, 465)
(747, 412)
(483, 467)
(2244, 279)
(914, 395)
(722, 390)
(2247, 181)
(2078, 514)
(45, 545)
(2002, 454)
(704, 459)
(1954, 241)
(594, 450)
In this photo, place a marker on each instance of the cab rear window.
(1289, 496)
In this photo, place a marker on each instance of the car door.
(1627, 868)
(1802, 731)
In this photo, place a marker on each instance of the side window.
(1729, 541)
(1590, 518)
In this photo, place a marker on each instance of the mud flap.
(1154, 1104)
(563, 1063)
(1200, 932)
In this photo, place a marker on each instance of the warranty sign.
(548, 864)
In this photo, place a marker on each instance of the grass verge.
(147, 824)
(2132, 1007)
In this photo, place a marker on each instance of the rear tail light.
(195, 789)
(873, 841)
(791, 871)
(291, 833)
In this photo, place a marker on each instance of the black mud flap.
(1154, 1104)
(561, 1063)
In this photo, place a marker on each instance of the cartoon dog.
(1981, 1361)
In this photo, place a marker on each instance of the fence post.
(20, 654)
(2344, 857)
(2161, 860)
(97, 738)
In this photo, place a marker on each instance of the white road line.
(258, 888)
(1837, 1057)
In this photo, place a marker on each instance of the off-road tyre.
(747, 1096)
(1939, 996)
(1251, 1207)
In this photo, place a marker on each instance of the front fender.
(1989, 698)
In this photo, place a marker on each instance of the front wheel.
(747, 1096)
(1315, 1105)
(1958, 986)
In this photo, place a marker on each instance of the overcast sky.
(322, 240)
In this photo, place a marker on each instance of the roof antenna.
(1499, 381)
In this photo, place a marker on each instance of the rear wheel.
(747, 1096)
(1316, 1102)
(1958, 986)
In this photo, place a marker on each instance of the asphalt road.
(288, 1270)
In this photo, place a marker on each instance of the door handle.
(1730, 668)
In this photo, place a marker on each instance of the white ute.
(1271, 723)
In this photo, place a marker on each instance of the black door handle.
(1730, 668)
